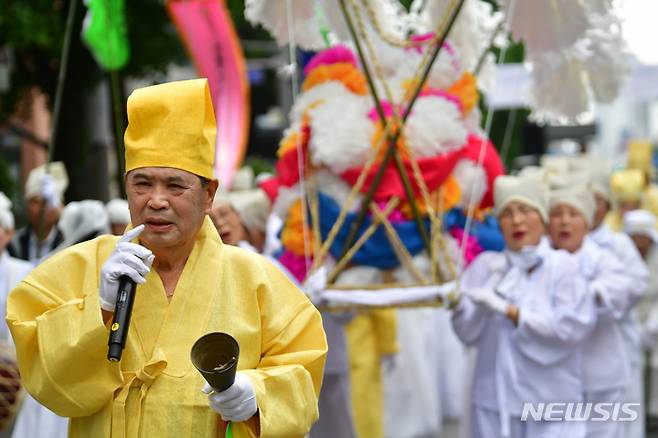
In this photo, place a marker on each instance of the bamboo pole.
(57, 105)
(391, 151)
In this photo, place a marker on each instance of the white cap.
(253, 206)
(528, 190)
(641, 222)
(56, 170)
(6, 216)
(118, 212)
(243, 179)
(598, 169)
(556, 164)
(82, 220)
(534, 173)
(578, 196)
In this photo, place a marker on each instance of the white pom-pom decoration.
(607, 58)
(472, 180)
(341, 133)
(547, 25)
(331, 90)
(273, 16)
(560, 87)
(331, 185)
(284, 200)
(434, 127)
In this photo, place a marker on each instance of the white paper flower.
(341, 132)
(546, 25)
(284, 200)
(472, 181)
(606, 62)
(471, 32)
(336, 188)
(434, 127)
(273, 16)
(319, 93)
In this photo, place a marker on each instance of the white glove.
(237, 403)
(127, 259)
(49, 192)
(315, 285)
(486, 297)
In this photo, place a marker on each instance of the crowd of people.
(566, 313)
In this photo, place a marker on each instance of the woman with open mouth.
(606, 366)
(526, 310)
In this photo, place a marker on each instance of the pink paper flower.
(473, 248)
(396, 215)
(446, 46)
(388, 111)
(295, 264)
(338, 53)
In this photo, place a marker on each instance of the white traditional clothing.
(540, 359)
(622, 246)
(37, 421)
(12, 271)
(607, 370)
(648, 314)
(25, 244)
(411, 380)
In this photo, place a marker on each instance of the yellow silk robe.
(155, 391)
(369, 337)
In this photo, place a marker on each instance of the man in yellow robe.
(189, 284)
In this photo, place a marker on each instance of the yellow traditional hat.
(650, 199)
(172, 125)
(640, 155)
(627, 184)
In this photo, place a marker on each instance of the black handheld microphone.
(121, 320)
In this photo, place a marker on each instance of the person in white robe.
(526, 311)
(44, 201)
(640, 226)
(607, 369)
(622, 246)
(12, 270)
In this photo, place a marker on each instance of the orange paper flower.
(344, 72)
(294, 234)
(449, 190)
(466, 89)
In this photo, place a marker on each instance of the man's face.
(567, 227)
(521, 225)
(33, 211)
(171, 203)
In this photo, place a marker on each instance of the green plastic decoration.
(104, 31)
